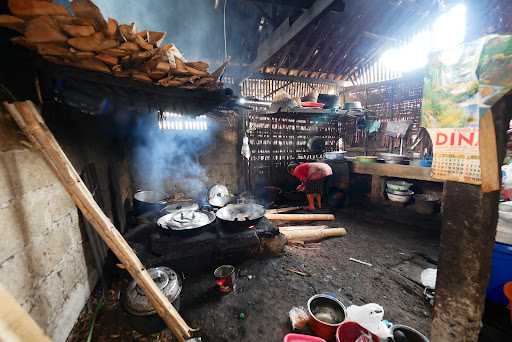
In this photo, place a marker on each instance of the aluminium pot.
(186, 222)
(148, 200)
(140, 314)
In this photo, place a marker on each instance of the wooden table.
(378, 171)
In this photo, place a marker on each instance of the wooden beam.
(395, 170)
(32, 124)
(285, 33)
(15, 323)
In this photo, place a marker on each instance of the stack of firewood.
(86, 40)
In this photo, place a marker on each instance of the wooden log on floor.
(313, 234)
(32, 124)
(300, 217)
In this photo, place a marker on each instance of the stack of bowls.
(399, 191)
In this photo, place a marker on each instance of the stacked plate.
(399, 191)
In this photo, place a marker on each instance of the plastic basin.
(302, 338)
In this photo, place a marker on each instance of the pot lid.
(166, 279)
(218, 195)
(178, 206)
(185, 219)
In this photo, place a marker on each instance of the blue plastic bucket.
(501, 272)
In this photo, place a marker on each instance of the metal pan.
(240, 216)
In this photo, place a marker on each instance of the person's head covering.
(292, 166)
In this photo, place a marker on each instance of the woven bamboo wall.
(266, 89)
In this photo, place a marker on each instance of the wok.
(240, 215)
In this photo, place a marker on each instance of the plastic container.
(350, 331)
(501, 273)
(302, 338)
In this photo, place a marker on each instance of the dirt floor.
(396, 241)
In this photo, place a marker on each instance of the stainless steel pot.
(140, 314)
(148, 200)
(186, 222)
(326, 315)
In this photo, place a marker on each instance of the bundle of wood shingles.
(86, 40)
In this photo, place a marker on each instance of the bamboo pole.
(32, 124)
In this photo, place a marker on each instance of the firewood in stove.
(33, 8)
(87, 9)
(142, 43)
(129, 46)
(116, 52)
(199, 65)
(78, 30)
(111, 28)
(12, 22)
(127, 31)
(43, 30)
(107, 59)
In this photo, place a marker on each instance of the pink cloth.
(312, 171)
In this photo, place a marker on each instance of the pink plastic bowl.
(302, 338)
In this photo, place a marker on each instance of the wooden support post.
(376, 192)
(467, 240)
(32, 124)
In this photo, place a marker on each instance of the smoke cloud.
(169, 160)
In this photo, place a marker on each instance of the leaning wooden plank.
(301, 217)
(32, 8)
(12, 22)
(15, 323)
(32, 124)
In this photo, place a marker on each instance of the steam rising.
(168, 161)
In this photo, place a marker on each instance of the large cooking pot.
(186, 222)
(148, 200)
(240, 216)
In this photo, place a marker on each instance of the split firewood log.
(116, 52)
(204, 81)
(156, 75)
(120, 72)
(140, 76)
(156, 38)
(43, 30)
(96, 42)
(142, 43)
(107, 59)
(129, 46)
(196, 72)
(22, 41)
(127, 31)
(170, 82)
(78, 30)
(83, 54)
(140, 57)
(87, 9)
(12, 22)
(94, 65)
(69, 20)
(199, 65)
(54, 49)
(181, 68)
(32, 8)
(111, 28)
(163, 67)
